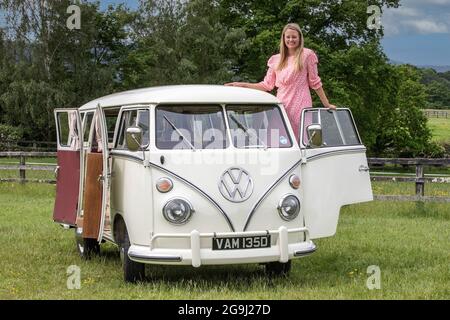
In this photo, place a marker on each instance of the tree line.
(438, 88)
(44, 64)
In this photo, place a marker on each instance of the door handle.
(363, 168)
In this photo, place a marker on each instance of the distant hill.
(435, 68)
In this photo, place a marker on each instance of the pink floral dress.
(292, 86)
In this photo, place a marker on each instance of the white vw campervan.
(201, 175)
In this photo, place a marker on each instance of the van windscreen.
(258, 126)
(190, 127)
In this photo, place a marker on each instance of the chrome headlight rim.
(280, 207)
(185, 219)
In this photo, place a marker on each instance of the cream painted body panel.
(131, 197)
(198, 167)
(332, 178)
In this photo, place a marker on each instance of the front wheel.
(86, 247)
(277, 269)
(132, 271)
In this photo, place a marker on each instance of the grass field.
(409, 243)
(440, 127)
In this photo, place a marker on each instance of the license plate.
(236, 243)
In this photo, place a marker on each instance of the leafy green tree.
(405, 132)
(179, 42)
(336, 25)
(438, 88)
(52, 66)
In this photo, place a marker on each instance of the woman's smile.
(291, 38)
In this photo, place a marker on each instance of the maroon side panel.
(67, 187)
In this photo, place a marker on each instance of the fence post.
(420, 181)
(22, 170)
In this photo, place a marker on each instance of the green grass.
(440, 128)
(408, 242)
(409, 188)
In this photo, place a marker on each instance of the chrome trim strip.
(120, 153)
(230, 224)
(155, 257)
(330, 153)
(258, 203)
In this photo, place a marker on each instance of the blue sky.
(418, 32)
(130, 3)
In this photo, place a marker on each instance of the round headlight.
(289, 207)
(177, 211)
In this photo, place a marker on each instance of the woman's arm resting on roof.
(249, 85)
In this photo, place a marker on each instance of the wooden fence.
(419, 178)
(22, 167)
(375, 163)
(437, 113)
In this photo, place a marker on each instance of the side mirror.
(134, 138)
(314, 135)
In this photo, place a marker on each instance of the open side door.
(335, 173)
(106, 174)
(69, 165)
(96, 180)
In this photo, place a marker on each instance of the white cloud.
(424, 26)
(417, 17)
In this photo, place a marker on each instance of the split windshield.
(204, 127)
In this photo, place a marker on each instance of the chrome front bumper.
(196, 256)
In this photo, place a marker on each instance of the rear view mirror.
(134, 138)
(314, 132)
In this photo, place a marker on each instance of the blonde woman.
(293, 71)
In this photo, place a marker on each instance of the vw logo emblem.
(236, 185)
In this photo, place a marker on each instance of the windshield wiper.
(179, 133)
(246, 130)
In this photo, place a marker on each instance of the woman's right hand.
(235, 84)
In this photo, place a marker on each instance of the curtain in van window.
(74, 139)
(98, 132)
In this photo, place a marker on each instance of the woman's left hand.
(331, 106)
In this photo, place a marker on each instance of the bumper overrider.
(196, 256)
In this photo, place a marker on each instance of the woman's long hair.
(284, 49)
